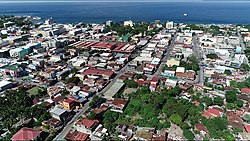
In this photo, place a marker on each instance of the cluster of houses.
(71, 63)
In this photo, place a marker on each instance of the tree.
(218, 101)
(91, 115)
(227, 72)
(175, 118)
(188, 135)
(239, 103)
(246, 117)
(74, 80)
(215, 126)
(138, 76)
(94, 101)
(233, 83)
(131, 83)
(212, 56)
(245, 67)
(231, 96)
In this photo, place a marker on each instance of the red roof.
(58, 98)
(247, 128)
(119, 102)
(81, 136)
(87, 122)
(214, 112)
(200, 127)
(97, 72)
(156, 80)
(245, 90)
(197, 103)
(106, 45)
(207, 115)
(26, 134)
(70, 101)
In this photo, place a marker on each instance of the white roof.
(180, 69)
(57, 111)
(4, 83)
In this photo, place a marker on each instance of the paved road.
(165, 58)
(85, 108)
(197, 52)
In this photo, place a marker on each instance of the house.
(97, 72)
(18, 52)
(169, 73)
(149, 69)
(245, 91)
(74, 135)
(54, 123)
(4, 85)
(247, 128)
(118, 105)
(173, 62)
(104, 107)
(171, 83)
(86, 125)
(180, 70)
(26, 134)
(13, 70)
(99, 133)
(59, 114)
(68, 104)
(188, 75)
(58, 100)
(200, 127)
(211, 113)
(126, 132)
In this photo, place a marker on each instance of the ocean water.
(93, 12)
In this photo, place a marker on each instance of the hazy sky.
(18, 1)
(125, 0)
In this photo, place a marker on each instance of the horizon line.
(122, 1)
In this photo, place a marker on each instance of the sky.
(124, 0)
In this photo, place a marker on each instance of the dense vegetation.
(136, 29)
(212, 56)
(156, 109)
(191, 64)
(16, 106)
(19, 21)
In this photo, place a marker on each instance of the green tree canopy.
(175, 118)
(131, 83)
(231, 96)
(227, 72)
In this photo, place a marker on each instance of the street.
(197, 52)
(165, 58)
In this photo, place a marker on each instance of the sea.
(99, 12)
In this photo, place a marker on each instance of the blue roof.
(82, 99)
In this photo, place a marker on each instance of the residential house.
(173, 62)
(118, 105)
(68, 104)
(86, 125)
(169, 73)
(245, 91)
(59, 114)
(211, 113)
(26, 133)
(74, 135)
(13, 70)
(99, 133)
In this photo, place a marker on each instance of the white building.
(128, 23)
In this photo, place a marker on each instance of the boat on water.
(185, 14)
(36, 18)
